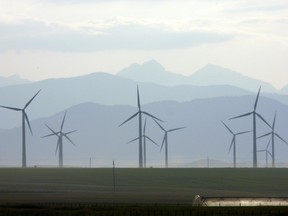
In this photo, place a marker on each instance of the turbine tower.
(254, 114)
(233, 142)
(273, 135)
(267, 152)
(144, 141)
(165, 140)
(60, 134)
(139, 113)
(24, 119)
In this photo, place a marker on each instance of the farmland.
(143, 186)
(152, 191)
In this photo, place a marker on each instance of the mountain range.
(106, 89)
(12, 80)
(98, 102)
(101, 88)
(153, 72)
(99, 136)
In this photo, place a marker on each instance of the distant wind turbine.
(233, 142)
(24, 119)
(165, 140)
(273, 134)
(254, 114)
(144, 141)
(60, 134)
(267, 152)
(139, 113)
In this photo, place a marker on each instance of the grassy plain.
(137, 186)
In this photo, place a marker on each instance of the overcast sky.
(40, 39)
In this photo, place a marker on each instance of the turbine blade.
(27, 104)
(264, 135)
(159, 125)
(263, 120)
(227, 128)
(256, 102)
(138, 98)
(70, 132)
(69, 139)
(244, 132)
(174, 129)
(129, 118)
(274, 120)
(269, 143)
(58, 141)
(233, 141)
(11, 108)
(27, 120)
(144, 129)
(63, 122)
(165, 137)
(281, 138)
(269, 153)
(151, 116)
(133, 140)
(151, 140)
(51, 130)
(240, 116)
(48, 135)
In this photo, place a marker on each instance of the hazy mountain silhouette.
(284, 90)
(102, 88)
(12, 80)
(216, 75)
(154, 72)
(100, 138)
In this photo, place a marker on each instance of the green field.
(84, 191)
(137, 186)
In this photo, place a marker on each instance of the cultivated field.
(151, 192)
(137, 186)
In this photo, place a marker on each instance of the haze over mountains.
(12, 80)
(100, 138)
(102, 88)
(97, 103)
(154, 72)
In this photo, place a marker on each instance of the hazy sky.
(56, 38)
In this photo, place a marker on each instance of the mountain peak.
(153, 64)
(150, 67)
(151, 71)
(211, 69)
(217, 75)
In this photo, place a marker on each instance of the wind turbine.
(60, 134)
(254, 114)
(233, 142)
(273, 134)
(165, 140)
(267, 152)
(144, 141)
(24, 119)
(139, 113)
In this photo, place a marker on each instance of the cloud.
(37, 35)
(252, 7)
(97, 1)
